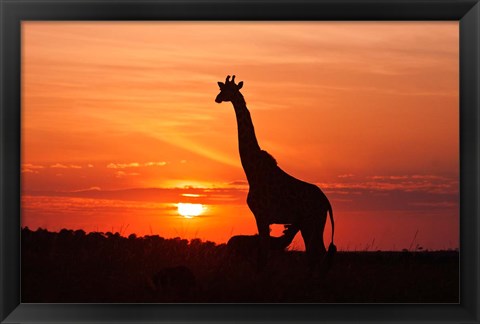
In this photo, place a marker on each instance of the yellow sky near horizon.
(351, 106)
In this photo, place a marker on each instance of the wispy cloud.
(239, 183)
(219, 196)
(394, 192)
(438, 204)
(120, 174)
(399, 193)
(134, 165)
(420, 183)
(123, 165)
(348, 175)
(389, 177)
(162, 163)
(31, 168)
(59, 166)
(96, 188)
(64, 166)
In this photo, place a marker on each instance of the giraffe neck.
(247, 141)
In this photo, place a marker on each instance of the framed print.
(241, 161)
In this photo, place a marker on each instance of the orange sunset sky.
(119, 125)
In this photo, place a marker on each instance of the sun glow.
(189, 210)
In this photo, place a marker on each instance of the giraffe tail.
(331, 248)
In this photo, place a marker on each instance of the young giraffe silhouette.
(276, 197)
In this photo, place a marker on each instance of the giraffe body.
(279, 198)
(285, 199)
(274, 196)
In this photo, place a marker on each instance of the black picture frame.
(13, 12)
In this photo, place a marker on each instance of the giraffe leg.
(264, 234)
(261, 217)
(312, 234)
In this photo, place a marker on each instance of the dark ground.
(77, 267)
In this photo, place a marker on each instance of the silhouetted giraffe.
(276, 197)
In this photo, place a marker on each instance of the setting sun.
(189, 210)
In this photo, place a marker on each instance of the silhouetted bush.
(73, 266)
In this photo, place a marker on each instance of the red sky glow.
(119, 125)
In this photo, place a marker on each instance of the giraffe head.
(228, 90)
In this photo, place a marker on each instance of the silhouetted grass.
(72, 266)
